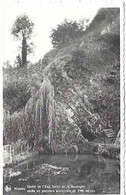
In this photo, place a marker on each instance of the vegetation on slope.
(84, 77)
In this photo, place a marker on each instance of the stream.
(63, 174)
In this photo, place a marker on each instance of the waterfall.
(47, 109)
(42, 108)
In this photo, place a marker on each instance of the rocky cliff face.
(85, 76)
(79, 95)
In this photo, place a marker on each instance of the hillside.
(73, 93)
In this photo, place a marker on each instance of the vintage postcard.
(63, 97)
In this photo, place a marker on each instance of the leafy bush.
(66, 32)
(77, 63)
(78, 56)
(15, 95)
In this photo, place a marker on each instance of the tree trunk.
(24, 52)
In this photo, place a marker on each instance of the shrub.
(77, 63)
(15, 95)
(66, 32)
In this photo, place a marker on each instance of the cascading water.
(42, 108)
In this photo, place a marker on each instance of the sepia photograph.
(62, 68)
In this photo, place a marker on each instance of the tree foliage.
(22, 29)
(67, 31)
